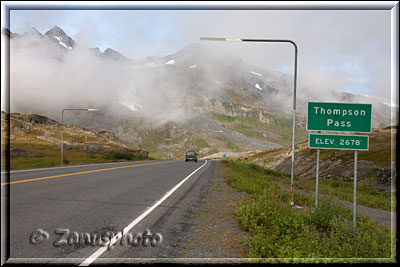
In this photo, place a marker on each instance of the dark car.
(191, 155)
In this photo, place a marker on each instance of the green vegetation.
(19, 163)
(379, 152)
(230, 145)
(46, 155)
(153, 138)
(378, 157)
(126, 155)
(235, 96)
(279, 231)
(366, 195)
(251, 126)
(201, 143)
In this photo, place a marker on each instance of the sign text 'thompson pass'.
(339, 117)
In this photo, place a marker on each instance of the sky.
(343, 50)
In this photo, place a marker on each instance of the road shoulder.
(214, 232)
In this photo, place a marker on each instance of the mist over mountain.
(58, 35)
(50, 72)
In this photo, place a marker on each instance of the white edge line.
(101, 250)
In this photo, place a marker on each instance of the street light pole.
(62, 124)
(294, 86)
(169, 139)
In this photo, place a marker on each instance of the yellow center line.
(77, 173)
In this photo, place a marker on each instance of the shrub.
(327, 212)
(278, 231)
(115, 155)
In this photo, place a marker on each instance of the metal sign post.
(339, 117)
(355, 187)
(316, 179)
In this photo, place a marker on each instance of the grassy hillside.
(35, 142)
(336, 174)
(335, 163)
(263, 124)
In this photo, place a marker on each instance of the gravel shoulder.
(215, 232)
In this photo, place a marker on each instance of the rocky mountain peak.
(56, 31)
(58, 35)
(33, 31)
(113, 53)
(110, 53)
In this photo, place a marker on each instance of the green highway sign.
(336, 141)
(339, 117)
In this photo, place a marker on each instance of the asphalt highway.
(56, 214)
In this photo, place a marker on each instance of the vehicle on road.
(191, 156)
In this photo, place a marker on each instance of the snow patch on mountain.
(66, 46)
(170, 62)
(132, 106)
(193, 66)
(258, 87)
(59, 39)
(255, 73)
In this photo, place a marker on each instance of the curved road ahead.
(101, 200)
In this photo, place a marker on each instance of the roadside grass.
(20, 163)
(378, 154)
(279, 231)
(366, 195)
(50, 157)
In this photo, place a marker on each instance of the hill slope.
(373, 166)
(35, 142)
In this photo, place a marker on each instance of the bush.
(278, 231)
(115, 155)
(327, 212)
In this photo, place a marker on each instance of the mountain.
(58, 35)
(203, 96)
(205, 69)
(33, 32)
(112, 54)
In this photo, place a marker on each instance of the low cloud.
(46, 78)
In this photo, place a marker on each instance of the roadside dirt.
(215, 232)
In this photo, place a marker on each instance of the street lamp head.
(220, 39)
(93, 109)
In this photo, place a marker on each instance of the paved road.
(131, 196)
